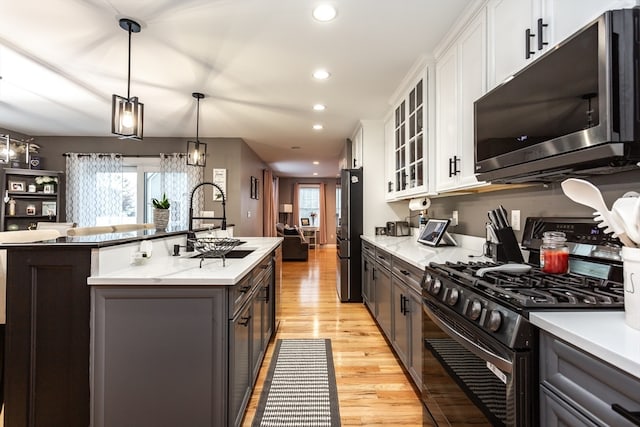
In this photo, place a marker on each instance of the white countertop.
(408, 249)
(603, 334)
(184, 270)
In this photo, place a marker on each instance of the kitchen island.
(98, 332)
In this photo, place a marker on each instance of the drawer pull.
(244, 321)
(244, 289)
(405, 272)
(634, 417)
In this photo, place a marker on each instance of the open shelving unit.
(39, 205)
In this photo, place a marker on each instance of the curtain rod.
(126, 155)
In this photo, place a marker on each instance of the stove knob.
(435, 288)
(475, 310)
(494, 320)
(452, 298)
(428, 279)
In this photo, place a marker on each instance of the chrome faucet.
(191, 234)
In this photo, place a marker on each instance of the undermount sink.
(235, 253)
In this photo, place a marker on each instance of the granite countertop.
(185, 270)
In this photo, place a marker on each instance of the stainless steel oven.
(470, 378)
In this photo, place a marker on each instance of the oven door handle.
(500, 362)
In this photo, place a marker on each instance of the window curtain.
(296, 214)
(177, 181)
(322, 230)
(93, 188)
(269, 205)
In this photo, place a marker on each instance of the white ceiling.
(61, 60)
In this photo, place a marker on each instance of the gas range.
(499, 303)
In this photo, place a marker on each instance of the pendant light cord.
(198, 121)
(129, 66)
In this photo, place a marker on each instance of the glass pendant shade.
(196, 150)
(127, 114)
(196, 153)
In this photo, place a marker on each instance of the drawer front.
(383, 258)
(591, 384)
(408, 273)
(368, 249)
(238, 294)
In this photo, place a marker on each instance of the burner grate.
(536, 288)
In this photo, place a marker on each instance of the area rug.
(300, 388)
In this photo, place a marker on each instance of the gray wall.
(285, 189)
(537, 200)
(232, 154)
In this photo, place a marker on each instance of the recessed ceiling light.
(321, 74)
(318, 127)
(315, 162)
(324, 13)
(319, 107)
(315, 174)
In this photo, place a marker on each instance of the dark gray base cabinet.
(163, 356)
(391, 291)
(578, 389)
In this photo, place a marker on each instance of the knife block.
(510, 247)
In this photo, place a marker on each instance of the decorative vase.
(160, 219)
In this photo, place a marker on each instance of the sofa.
(294, 245)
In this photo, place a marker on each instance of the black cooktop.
(536, 289)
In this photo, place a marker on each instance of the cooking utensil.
(507, 268)
(627, 210)
(585, 193)
(494, 219)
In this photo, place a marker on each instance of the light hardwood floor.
(373, 390)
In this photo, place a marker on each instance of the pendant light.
(127, 113)
(196, 150)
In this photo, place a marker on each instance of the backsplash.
(537, 200)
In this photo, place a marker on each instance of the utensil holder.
(631, 266)
(510, 245)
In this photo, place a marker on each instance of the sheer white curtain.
(177, 181)
(93, 188)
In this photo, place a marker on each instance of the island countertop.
(185, 270)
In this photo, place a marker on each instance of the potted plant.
(161, 212)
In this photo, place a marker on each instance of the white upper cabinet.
(407, 139)
(519, 31)
(357, 143)
(460, 80)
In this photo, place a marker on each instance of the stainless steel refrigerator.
(349, 229)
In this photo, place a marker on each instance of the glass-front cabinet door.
(408, 145)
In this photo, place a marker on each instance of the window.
(309, 203)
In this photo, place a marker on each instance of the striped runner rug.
(300, 388)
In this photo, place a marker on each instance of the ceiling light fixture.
(196, 150)
(315, 162)
(317, 127)
(321, 74)
(127, 113)
(319, 107)
(324, 13)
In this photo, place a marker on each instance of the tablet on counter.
(435, 233)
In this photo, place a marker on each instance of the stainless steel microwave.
(573, 111)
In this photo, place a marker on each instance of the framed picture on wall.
(219, 178)
(254, 188)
